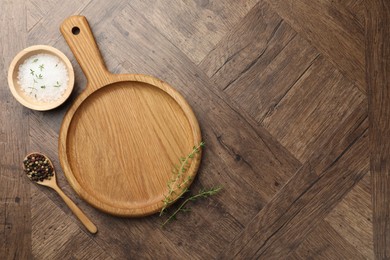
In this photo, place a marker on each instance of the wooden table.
(292, 98)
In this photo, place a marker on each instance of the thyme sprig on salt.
(43, 76)
(57, 85)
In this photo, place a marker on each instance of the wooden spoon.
(52, 183)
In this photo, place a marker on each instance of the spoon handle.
(77, 211)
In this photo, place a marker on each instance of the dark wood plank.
(50, 236)
(15, 221)
(195, 27)
(312, 109)
(306, 198)
(352, 218)
(279, 87)
(332, 29)
(47, 30)
(325, 243)
(260, 90)
(378, 81)
(356, 8)
(346, 232)
(258, 38)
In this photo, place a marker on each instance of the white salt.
(43, 77)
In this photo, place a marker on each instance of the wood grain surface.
(292, 98)
(378, 82)
(122, 137)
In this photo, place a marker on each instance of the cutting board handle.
(79, 37)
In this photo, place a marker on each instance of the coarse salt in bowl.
(41, 77)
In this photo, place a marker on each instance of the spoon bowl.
(51, 181)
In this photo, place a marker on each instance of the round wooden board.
(122, 137)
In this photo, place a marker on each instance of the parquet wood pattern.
(292, 99)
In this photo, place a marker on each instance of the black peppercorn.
(37, 167)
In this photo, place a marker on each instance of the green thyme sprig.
(203, 193)
(33, 86)
(177, 181)
(38, 75)
(57, 85)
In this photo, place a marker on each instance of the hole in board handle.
(75, 30)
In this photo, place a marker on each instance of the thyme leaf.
(57, 85)
(179, 183)
(203, 193)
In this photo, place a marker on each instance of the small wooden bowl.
(15, 88)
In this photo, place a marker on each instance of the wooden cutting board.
(123, 135)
